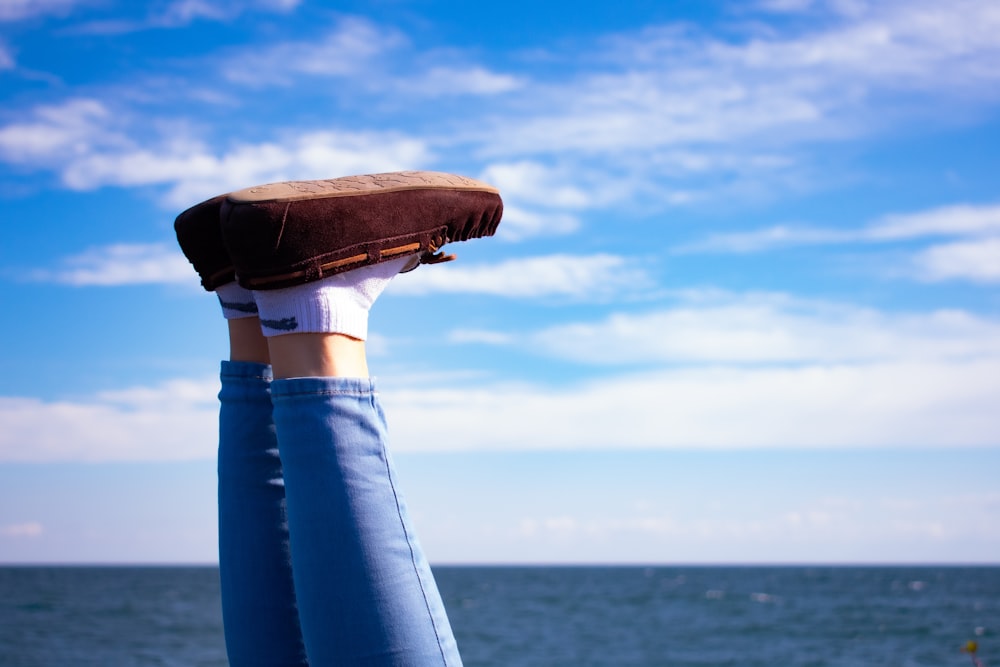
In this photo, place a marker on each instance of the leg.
(366, 593)
(258, 600)
(365, 590)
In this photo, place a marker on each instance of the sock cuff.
(321, 310)
(336, 304)
(237, 302)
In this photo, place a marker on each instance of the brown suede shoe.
(200, 237)
(285, 234)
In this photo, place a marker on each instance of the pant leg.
(258, 600)
(365, 591)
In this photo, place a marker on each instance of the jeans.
(318, 561)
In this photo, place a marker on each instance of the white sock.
(236, 301)
(336, 304)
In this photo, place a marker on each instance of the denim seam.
(413, 560)
(237, 378)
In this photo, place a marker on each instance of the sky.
(743, 305)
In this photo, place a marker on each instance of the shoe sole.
(284, 234)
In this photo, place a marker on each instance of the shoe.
(200, 237)
(285, 234)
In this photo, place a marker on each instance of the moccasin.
(200, 237)
(295, 232)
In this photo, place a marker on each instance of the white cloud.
(534, 183)
(279, 5)
(82, 139)
(769, 87)
(480, 336)
(956, 220)
(351, 49)
(720, 103)
(449, 81)
(976, 261)
(735, 371)
(896, 404)
(59, 133)
(893, 44)
(755, 329)
(17, 10)
(764, 239)
(785, 5)
(731, 371)
(6, 58)
(520, 223)
(725, 116)
(579, 277)
(173, 421)
(752, 372)
(122, 264)
(183, 12)
(360, 51)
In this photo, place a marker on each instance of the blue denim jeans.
(318, 560)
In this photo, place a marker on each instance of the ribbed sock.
(336, 304)
(236, 301)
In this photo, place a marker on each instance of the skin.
(298, 355)
(246, 342)
(317, 355)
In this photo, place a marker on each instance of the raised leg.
(366, 593)
(258, 596)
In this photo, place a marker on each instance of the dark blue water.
(546, 616)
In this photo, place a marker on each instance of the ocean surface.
(546, 616)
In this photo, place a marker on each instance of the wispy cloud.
(974, 257)
(17, 10)
(727, 115)
(787, 88)
(176, 420)
(894, 404)
(61, 132)
(538, 184)
(85, 141)
(180, 13)
(578, 277)
(122, 264)
(371, 58)
(769, 329)
(957, 220)
(727, 328)
(350, 49)
(975, 261)
(443, 81)
(6, 57)
(730, 371)
(194, 172)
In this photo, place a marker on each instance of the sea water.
(546, 616)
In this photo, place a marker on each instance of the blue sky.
(743, 306)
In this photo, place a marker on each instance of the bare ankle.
(317, 355)
(247, 342)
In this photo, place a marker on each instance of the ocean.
(612, 616)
